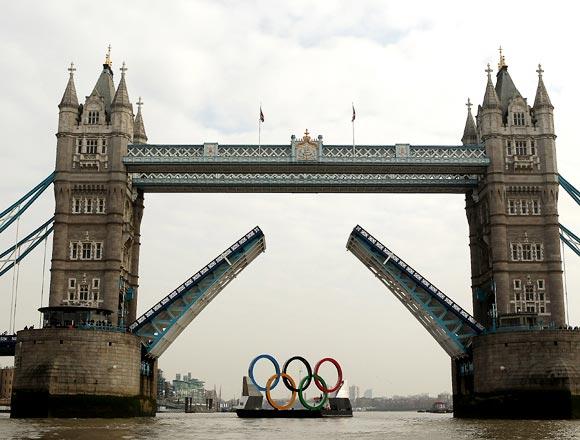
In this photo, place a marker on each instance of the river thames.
(363, 426)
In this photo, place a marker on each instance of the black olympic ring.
(308, 370)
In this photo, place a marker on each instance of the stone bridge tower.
(516, 263)
(98, 214)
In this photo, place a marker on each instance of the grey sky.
(202, 69)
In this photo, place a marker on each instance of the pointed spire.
(69, 98)
(470, 131)
(501, 63)
(108, 61)
(490, 99)
(139, 135)
(122, 96)
(542, 98)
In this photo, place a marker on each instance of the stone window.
(536, 208)
(98, 247)
(524, 207)
(74, 250)
(91, 146)
(93, 118)
(88, 205)
(509, 150)
(71, 295)
(527, 251)
(512, 207)
(104, 146)
(84, 292)
(79, 145)
(100, 205)
(96, 285)
(532, 148)
(86, 251)
(529, 292)
(76, 205)
(517, 284)
(541, 285)
(72, 283)
(519, 118)
(521, 148)
(530, 308)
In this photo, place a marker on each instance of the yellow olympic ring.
(269, 398)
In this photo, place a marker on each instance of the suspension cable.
(565, 283)
(11, 327)
(43, 276)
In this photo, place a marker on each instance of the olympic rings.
(308, 369)
(253, 364)
(322, 387)
(285, 377)
(301, 397)
(290, 384)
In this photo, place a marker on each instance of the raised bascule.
(513, 357)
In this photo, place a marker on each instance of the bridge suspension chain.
(14, 211)
(566, 235)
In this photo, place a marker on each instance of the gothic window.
(100, 205)
(531, 308)
(541, 285)
(104, 146)
(526, 252)
(515, 251)
(519, 118)
(74, 251)
(509, 148)
(532, 148)
(524, 207)
(521, 149)
(84, 292)
(542, 309)
(518, 296)
(512, 207)
(538, 251)
(91, 146)
(536, 210)
(529, 292)
(98, 254)
(76, 206)
(93, 117)
(86, 251)
(72, 283)
(79, 145)
(517, 284)
(89, 205)
(95, 288)
(71, 295)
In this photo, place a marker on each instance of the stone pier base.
(523, 375)
(81, 373)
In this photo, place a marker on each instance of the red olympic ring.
(339, 382)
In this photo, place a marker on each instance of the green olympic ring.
(301, 397)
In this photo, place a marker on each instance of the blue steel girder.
(570, 189)
(450, 325)
(162, 323)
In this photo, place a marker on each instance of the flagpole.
(353, 144)
(260, 130)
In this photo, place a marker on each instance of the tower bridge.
(511, 357)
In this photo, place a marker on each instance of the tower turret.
(470, 131)
(543, 108)
(139, 135)
(489, 114)
(69, 104)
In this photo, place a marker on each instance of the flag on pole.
(353, 114)
(261, 115)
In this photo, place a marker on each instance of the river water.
(363, 426)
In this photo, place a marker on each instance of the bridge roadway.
(212, 167)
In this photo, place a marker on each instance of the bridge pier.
(62, 372)
(520, 375)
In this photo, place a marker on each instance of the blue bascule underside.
(162, 323)
(450, 325)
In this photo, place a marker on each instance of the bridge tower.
(83, 362)
(516, 263)
(98, 214)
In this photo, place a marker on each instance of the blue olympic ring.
(253, 364)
